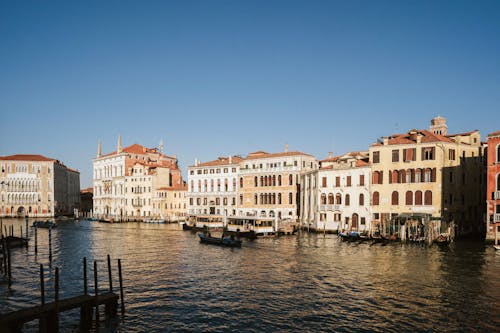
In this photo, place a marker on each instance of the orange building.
(493, 186)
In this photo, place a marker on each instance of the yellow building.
(170, 203)
(269, 184)
(429, 173)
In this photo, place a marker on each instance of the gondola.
(222, 241)
(44, 224)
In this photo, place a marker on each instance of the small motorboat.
(44, 224)
(222, 241)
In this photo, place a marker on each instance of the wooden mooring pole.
(96, 291)
(36, 239)
(9, 265)
(121, 286)
(26, 231)
(109, 275)
(50, 243)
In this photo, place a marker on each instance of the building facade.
(171, 203)
(125, 181)
(493, 187)
(37, 186)
(269, 184)
(429, 173)
(213, 186)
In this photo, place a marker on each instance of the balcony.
(497, 195)
(496, 218)
(325, 208)
(288, 168)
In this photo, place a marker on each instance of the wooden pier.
(48, 313)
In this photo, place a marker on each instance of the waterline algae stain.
(292, 283)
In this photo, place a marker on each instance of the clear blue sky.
(213, 78)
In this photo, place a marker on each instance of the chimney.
(99, 149)
(386, 140)
(119, 145)
(230, 160)
(330, 154)
(419, 138)
(286, 148)
(195, 162)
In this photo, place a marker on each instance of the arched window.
(338, 199)
(331, 200)
(361, 199)
(395, 176)
(290, 179)
(241, 182)
(427, 175)
(274, 180)
(347, 199)
(255, 199)
(418, 176)
(279, 180)
(376, 176)
(498, 153)
(376, 198)
(261, 181)
(395, 198)
(418, 198)
(279, 198)
(323, 199)
(410, 176)
(428, 198)
(402, 176)
(290, 198)
(409, 198)
(256, 181)
(433, 175)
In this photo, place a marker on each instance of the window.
(498, 154)
(241, 199)
(377, 177)
(256, 181)
(323, 199)
(409, 198)
(376, 157)
(255, 199)
(418, 198)
(409, 154)
(331, 200)
(428, 153)
(323, 182)
(290, 180)
(395, 155)
(361, 199)
(361, 180)
(363, 221)
(347, 199)
(279, 180)
(337, 181)
(241, 182)
(348, 181)
(290, 198)
(338, 199)
(279, 198)
(395, 198)
(428, 198)
(451, 154)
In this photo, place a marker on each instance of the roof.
(411, 138)
(87, 190)
(220, 161)
(137, 149)
(26, 157)
(462, 134)
(259, 155)
(497, 133)
(177, 187)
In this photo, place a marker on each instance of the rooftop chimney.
(330, 154)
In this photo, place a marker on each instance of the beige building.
(213, 186)
(125, 181)
(170, 203)
(37, 186)
(429, 173)
(269, 184)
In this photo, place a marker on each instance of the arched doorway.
(354, 223)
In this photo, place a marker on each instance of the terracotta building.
(493, 186)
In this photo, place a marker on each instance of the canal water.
(305, 283)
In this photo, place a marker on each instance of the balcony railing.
(325, 208)
(497, 195)
(497, 218)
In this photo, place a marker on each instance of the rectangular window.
(376, 157)
(361, 180)
(395, 155)
(323, 182)
(428, 153)
(451, 154)
(337, 181)
(363, 221)
(409, 154)
(348, 181)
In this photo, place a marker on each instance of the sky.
(213, 78)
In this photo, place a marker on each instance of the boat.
(161, 221)
(44, 224)
(250, 226)
(222, 241)
(343, 236)
(496, 247)
(442, 239)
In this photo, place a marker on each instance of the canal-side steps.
(48, 313)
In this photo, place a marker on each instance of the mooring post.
(50, 243)
(36, 238)
(85, 290)
(96, 289)
(109, 274)
(86, 309)
(26, 231)
(5, 228)
(1, 228)
(42, 285)
(121, 285)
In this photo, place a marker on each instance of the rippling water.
(292, 283)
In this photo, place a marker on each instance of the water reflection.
(304, 283)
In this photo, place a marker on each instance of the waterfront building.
(125, 180)
(170, 203)
(269, 184)
(37, 186)
(337, 197)
(493, 186)
(86, 202)
(213, 186)
(429, 173)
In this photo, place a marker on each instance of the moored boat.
(222, 241)
(44, 224)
